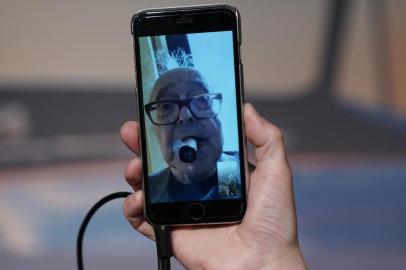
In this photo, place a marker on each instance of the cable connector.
(163, 247)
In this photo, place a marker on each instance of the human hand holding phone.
(267, 236)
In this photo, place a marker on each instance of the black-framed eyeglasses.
(166, 112)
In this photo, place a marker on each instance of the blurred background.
(330, 73)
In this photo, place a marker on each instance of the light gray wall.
(89, 42)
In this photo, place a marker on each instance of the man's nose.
(185, 115)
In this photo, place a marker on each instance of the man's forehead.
(176, 77)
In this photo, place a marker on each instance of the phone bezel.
(210, 18)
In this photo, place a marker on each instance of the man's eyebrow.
(164, 90)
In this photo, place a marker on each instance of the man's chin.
(193, 169)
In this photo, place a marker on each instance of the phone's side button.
(196, 211)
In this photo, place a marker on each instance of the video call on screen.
(189, 95)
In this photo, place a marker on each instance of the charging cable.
(163, 247)
(162, 235)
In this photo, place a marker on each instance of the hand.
(267, 236)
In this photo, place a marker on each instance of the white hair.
(167, 61)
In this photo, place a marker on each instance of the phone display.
(189, 97)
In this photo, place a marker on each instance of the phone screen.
(190, 108)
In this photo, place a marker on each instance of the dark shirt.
(204, 189)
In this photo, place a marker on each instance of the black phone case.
(178, 11)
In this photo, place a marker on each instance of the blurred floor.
(350, 214)
(351, 210)
(41, 209)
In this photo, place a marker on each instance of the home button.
(196, 211)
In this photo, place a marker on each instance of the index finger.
(130, 135)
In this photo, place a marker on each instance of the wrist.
(291, 259)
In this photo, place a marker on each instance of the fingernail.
(138, 195)
(254, 110)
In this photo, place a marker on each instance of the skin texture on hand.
(267, 236)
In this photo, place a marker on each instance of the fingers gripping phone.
(190, 94)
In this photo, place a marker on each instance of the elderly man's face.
(181, 84)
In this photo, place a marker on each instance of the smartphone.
(189, 87)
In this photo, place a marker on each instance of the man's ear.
(156, 132)
(221, 131)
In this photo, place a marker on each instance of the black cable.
(85, 222)
(163, 240)
(163, 247)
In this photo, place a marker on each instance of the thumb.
(270, 204)
(266, 137)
